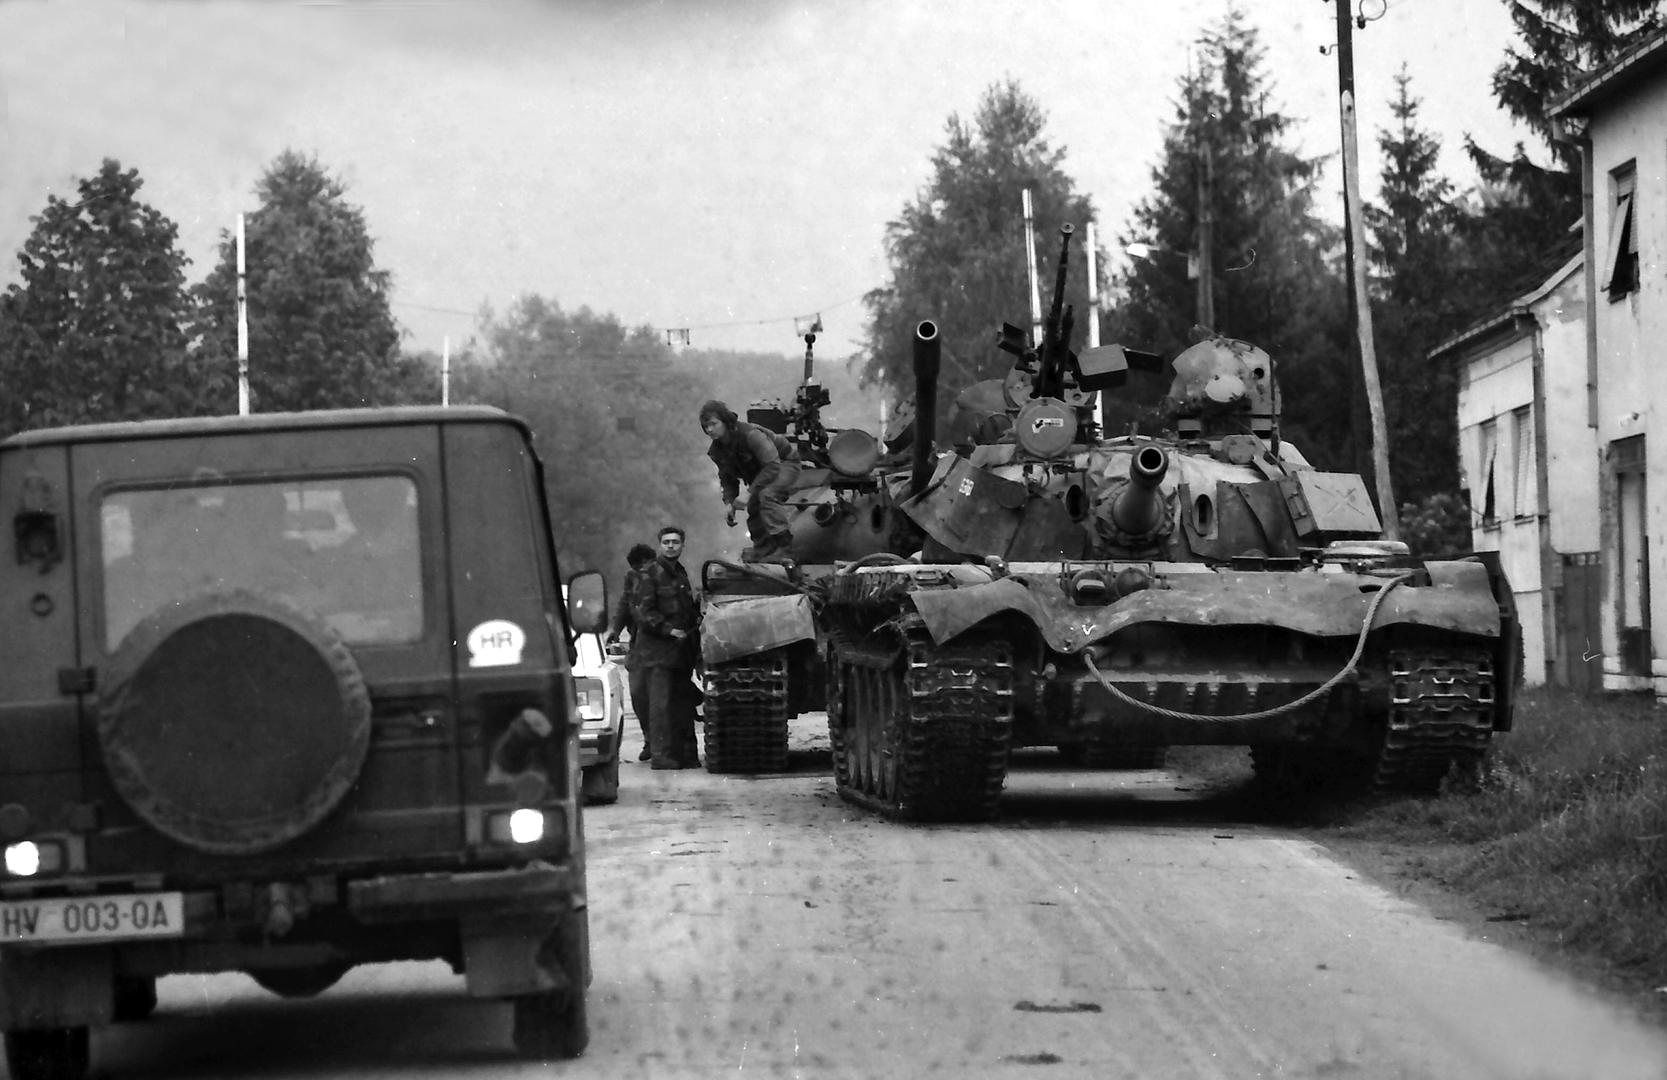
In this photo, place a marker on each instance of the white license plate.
(93, 918)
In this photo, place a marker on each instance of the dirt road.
(1105, 927)
(1109, 926)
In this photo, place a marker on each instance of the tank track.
(1440, 717)
(921, 732)
(746, 714)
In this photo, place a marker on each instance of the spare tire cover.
(233, 722)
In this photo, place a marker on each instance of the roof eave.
(1627, 70)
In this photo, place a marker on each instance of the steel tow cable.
(1318, 691)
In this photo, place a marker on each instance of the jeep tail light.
(524, 826)
(593, 702)
(29, 859)
(516, 759)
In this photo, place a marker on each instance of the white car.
(599, 683)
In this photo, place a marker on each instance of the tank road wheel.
(300, 982)
(926, 730)
(551, 1026)
(233, 723)
(1309, 774)
(746, 714)
(48, 1054)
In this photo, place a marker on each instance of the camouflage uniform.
(625, 621)
(768, 465)
(663, 601)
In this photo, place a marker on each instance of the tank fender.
(1483, 571)
(1306, 602)
(753, 625)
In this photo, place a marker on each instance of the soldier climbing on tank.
(763, 460)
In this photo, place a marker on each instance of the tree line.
(103, 325)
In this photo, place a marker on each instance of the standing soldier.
(625, 622)
(663, 605)
(763, 460)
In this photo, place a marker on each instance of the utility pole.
(242, 327)
(1204, 265)
(1355, 243)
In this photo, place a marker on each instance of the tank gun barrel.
(926, 362)
(1138, 508)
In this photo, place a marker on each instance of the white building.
(1528, 460)
(1618, 117)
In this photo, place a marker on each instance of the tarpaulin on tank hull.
(1306, 602)
(747, 627)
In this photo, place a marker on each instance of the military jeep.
(284, 694)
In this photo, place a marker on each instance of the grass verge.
(1564, 835)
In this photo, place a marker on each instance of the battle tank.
(1123, 594)
(763, 654)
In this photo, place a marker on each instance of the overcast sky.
(720, 165)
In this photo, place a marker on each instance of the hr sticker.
(495, 643)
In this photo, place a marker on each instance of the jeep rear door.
(206, 509)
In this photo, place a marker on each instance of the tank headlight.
(1089, 587)
(526, 826)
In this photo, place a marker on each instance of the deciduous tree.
(321, 334)
(614, 418)
(95, 331)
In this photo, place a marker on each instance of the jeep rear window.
(345, 549)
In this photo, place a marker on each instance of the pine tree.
(1520, 232)
(1226, 153)
(95, 331)
(321, 334)
(957, 253)
(1562, 39)
(1414, 292)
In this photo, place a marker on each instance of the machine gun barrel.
(1138, 508)
(926, 362)
(1056, 345)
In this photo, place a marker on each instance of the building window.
(1490, 450)
(1621, 257)
(1523, 503)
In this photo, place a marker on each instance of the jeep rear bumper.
(531, 890)
(495, 925)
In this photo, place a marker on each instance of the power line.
(778, 318)
(679, 334)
